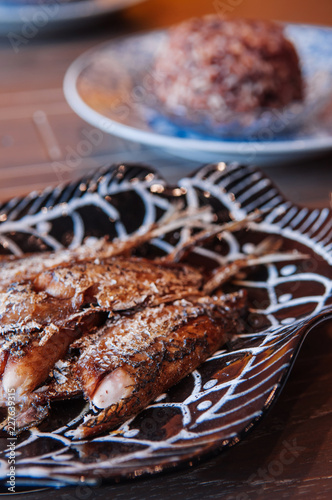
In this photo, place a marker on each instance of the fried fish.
(115, 328)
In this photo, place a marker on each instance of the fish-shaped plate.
(216, 405)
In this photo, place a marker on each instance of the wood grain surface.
(289, 454)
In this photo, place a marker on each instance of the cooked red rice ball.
(216, 65)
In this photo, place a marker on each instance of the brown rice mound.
(216, 65)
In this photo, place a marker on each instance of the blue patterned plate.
(111, 87)
(29, 18)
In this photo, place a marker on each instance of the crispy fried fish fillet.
(17, 269)
(134, 357)
(39, 319)
(138, 357)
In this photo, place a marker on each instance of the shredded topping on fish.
(115, 329)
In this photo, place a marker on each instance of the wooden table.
(37, 128)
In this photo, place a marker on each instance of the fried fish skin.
(134, 357)
(39, 319)
(27, 267)
(60, 386)
(138, 357)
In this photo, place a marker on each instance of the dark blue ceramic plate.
(218, 403)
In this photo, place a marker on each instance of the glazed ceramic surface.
(218, 403)
(111, 87)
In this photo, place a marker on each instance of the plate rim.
(15, 16)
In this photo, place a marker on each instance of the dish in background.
(215, 406)
(31, 17)
(110, 87)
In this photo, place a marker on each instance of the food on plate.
(60, 304)
(137, 355)
(225, 66)
(115, 328)
(15, 269)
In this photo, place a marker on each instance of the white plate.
(110, 85)
(33, 17)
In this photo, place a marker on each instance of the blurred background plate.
(28, 16)
(110, 87)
